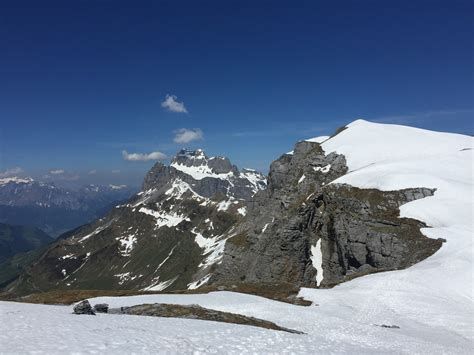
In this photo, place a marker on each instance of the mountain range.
(329, 211)
(54, 209)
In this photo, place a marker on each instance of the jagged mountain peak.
(205, 176)
(197, 164)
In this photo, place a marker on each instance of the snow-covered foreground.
(431, 302)
(334, 326)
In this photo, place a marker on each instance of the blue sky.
(83, 81)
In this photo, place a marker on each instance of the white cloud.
(11, 172)
(92, 172)
(142, 156)
(56, 172)
(116, 171)
(172, 105)
(185, 135)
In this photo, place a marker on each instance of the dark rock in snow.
(197, 312)
(101, 308)
(84, 307)
(390, 326)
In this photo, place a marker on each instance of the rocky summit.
(168, 236)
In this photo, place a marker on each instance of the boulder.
(101, 308)
(84, 307)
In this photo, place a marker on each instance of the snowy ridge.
(437, 292)
(364, 143)
(319, 139)
(16, 180)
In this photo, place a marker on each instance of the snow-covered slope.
(330, 327)
(438, 292)
(392, 157)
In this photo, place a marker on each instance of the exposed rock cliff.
(302, 229)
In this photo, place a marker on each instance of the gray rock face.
(83, 307)
(300, 214)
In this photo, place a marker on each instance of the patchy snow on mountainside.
(200, 172)
(255, 178)
(317, 260)
(163, 218)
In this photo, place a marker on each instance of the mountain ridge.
(55, 209)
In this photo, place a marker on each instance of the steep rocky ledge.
(305, 230)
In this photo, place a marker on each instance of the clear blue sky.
(81, 81)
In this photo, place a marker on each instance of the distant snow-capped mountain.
(54, 209)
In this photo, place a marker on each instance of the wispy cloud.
(419, 116)
(92, 172)
(298, 129)
(171, 104)
(11, 172)
(116, 171)
(142, 156)
(61, 175)
(185, 135)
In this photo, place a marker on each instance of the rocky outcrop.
(306, 230)
(198, 312)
